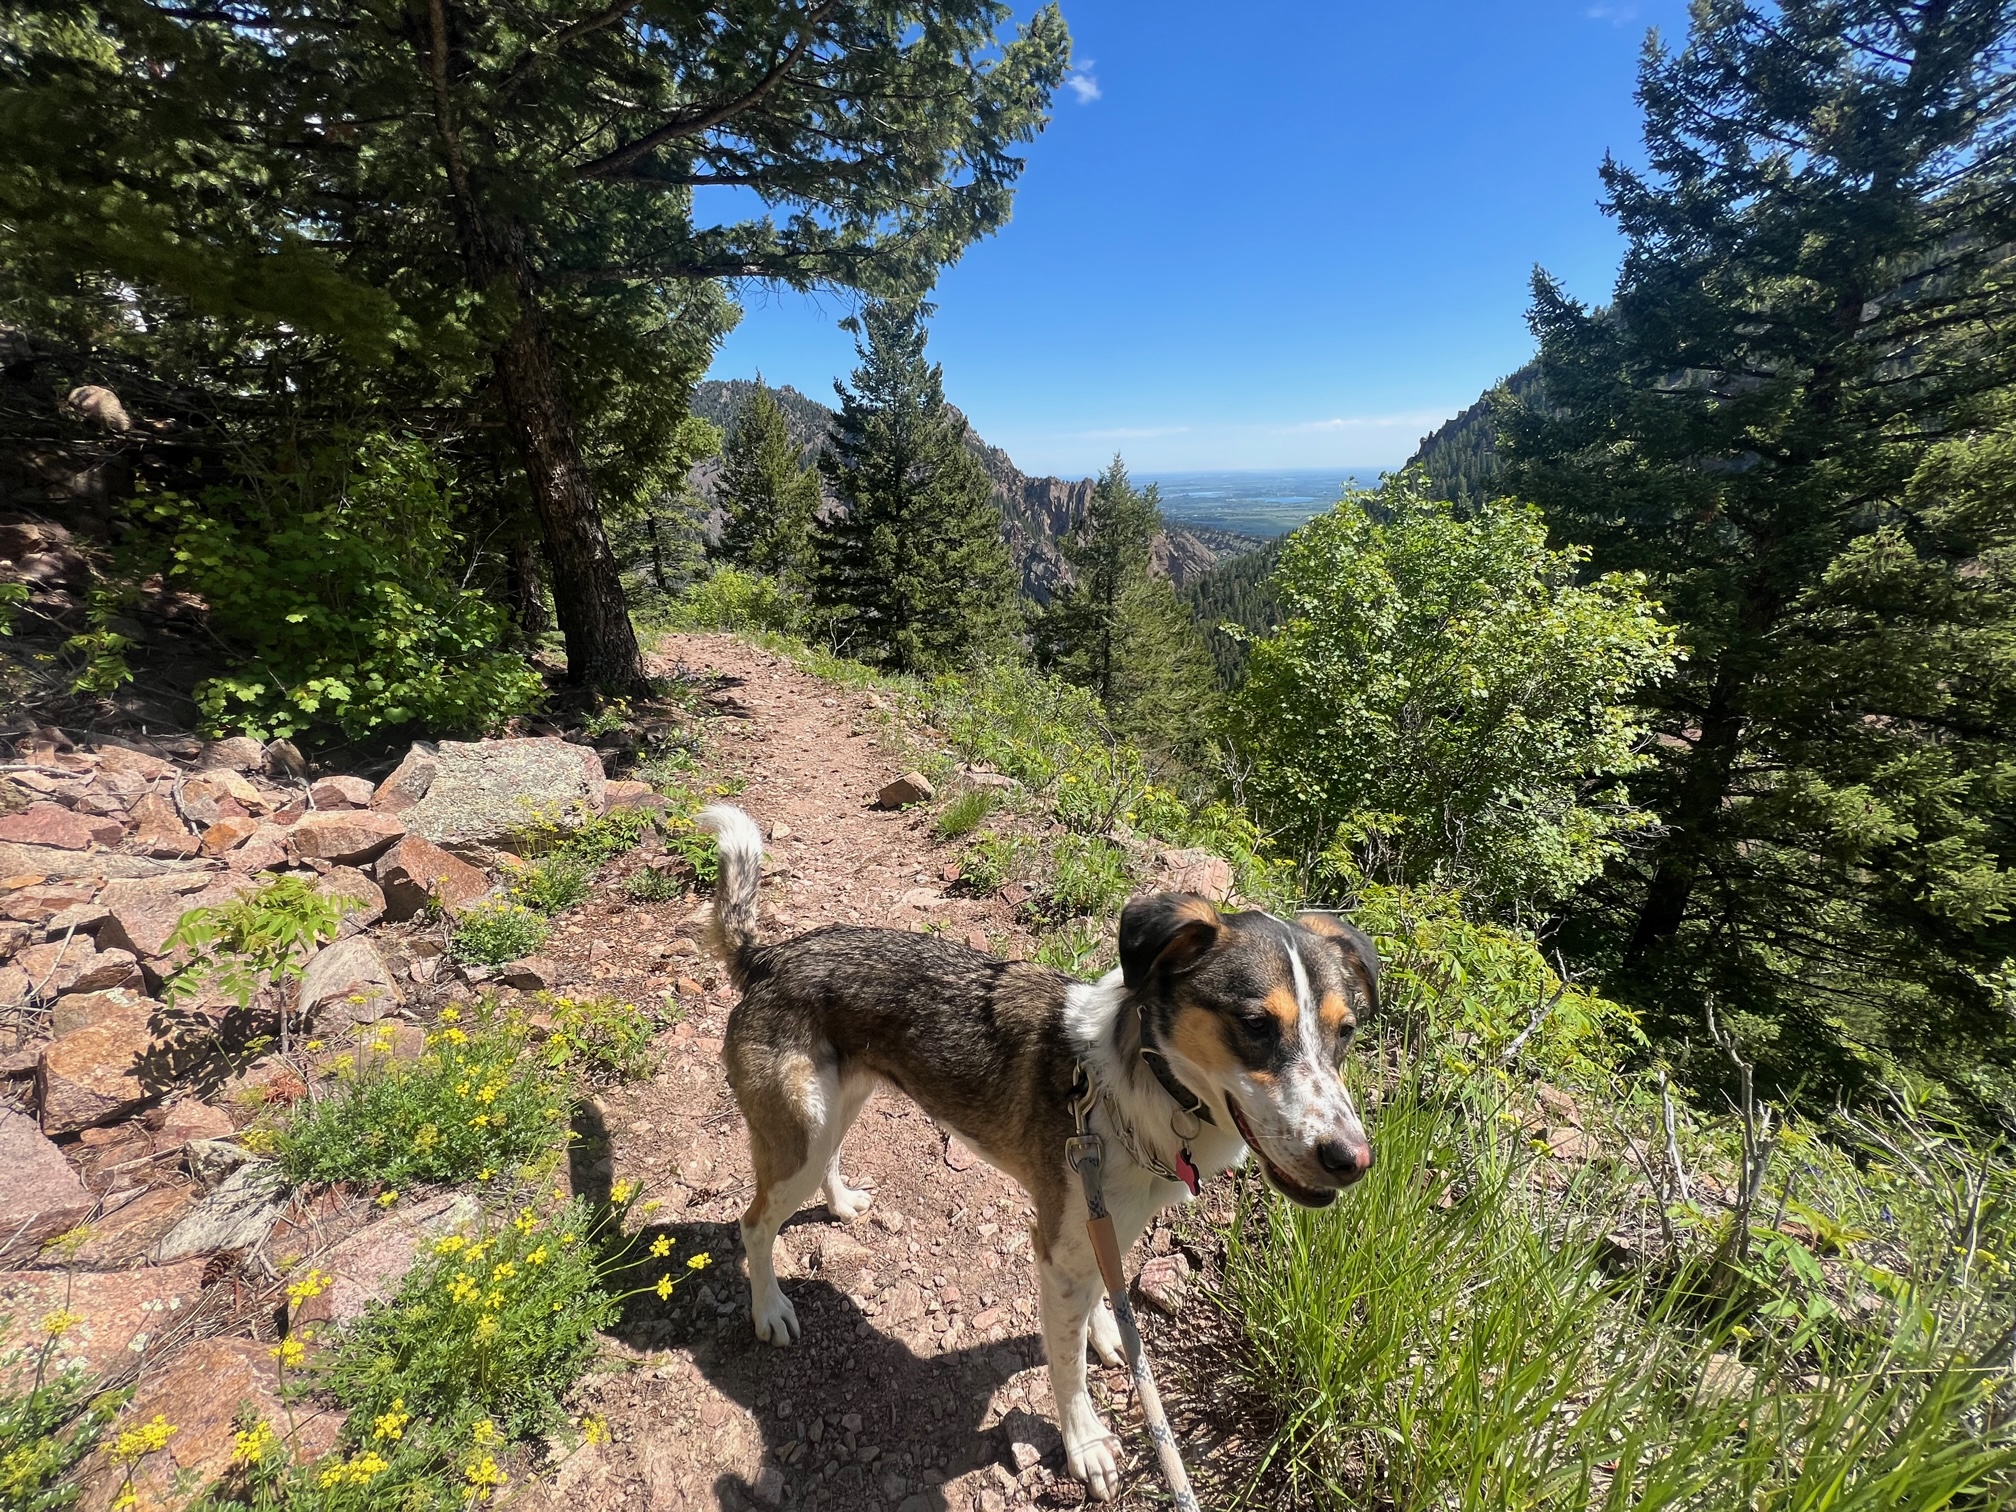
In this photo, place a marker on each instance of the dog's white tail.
(732, 934)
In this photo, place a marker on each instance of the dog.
(1218, 1034)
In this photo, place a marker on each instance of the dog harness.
(1086, 1094)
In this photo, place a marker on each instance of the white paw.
(775, 1318)
(1093, 1461)
(1104, 1332)
(847, 1203)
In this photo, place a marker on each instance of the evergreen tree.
(770, 498)
(1785, 421)
(1121, 632)
(913, 571)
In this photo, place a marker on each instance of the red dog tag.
(1186, 1169)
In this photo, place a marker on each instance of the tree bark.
(1677, 863)
(528, 590)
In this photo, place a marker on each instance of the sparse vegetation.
(50, 1419)
(651, 884)
(964, 814)
(600, 1038)
(492, 933)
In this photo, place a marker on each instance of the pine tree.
(1781, 420)
(1121, 632)
(913, 573)
(770, 498)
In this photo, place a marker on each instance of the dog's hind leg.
(790, 1143)
(842, 1201)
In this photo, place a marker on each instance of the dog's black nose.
(1340, 1157)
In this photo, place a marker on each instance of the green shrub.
(49, 1419)
(472, 1106)
(600, 1037)
(255, 944)
(492, 933)
(965, 813)
(552, 883)
(562, 862)
(335, 577)
(731, 599)
(650, 884)
(1090, 877)
(992, 861)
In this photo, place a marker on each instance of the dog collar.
(1158, 1062)
(1087, 1093)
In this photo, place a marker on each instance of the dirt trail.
(919, 1383)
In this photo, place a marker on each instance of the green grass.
(964, 814)
(472, 1107)
(492, 933)
(1090, 877)
(993, 860)
(651, 885)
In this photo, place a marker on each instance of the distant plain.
(1265, 504)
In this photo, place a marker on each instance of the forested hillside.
(1460, 456)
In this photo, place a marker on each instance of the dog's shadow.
(921, 1414)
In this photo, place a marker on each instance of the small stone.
(349, 883)
(1163, 1282)
(957, 1156)
(211, 1161)
(187, 1119)
(1026, 1456)
(53, 824)
(228, 834)
(41, 1196)
(911, 787)
(769, 1486)
(532, 974)
(631, 795)
(342, 793)
(240, 753)
(1572, 1145)
(216, 789)
(780, 831)
(1559, 1107)
(1725, 1378)
(687, 987)
(348, 837)
(126, 761)
(1200, 872)
(888, 1220)
(992, 1500)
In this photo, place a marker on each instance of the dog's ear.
(1354, 948)
(1164, 932)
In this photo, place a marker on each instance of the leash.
(1086, 1154)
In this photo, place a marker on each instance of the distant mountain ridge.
(1035, 512)
(1461, 454)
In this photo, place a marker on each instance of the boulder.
(347, 837)
(229, 833)
(74, 964)
(369, 1265)
(212, 1161)
(54, 864)
(41, 1196)
(911, 787)
(341, 793)
(78, 918)
(14, 986)
(1199, 872)
(408, 783)
(158, 828)
(80, 1010)
(119, 1312)
(417, 870)
(214, 790)
(207, 1393)
(187, 1119)
(348, 882)
(486, 793)
(34, 902)
(346, 983)
(53, 824)
(94, 1075)
(126, 1235)
(142, 914)
(236, 1215)
(532, 974)
(240, 753)
(124, 759)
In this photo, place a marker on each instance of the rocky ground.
(129, 1204)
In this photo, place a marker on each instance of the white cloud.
(1411, 420)
(1125, 433)
(1616, 15)
(1081, 83)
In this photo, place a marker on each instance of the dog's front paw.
(1094, 1460)
(775, 1318)
(1103, 1329)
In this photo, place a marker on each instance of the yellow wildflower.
(660, 1247)
(483, 1477)
(486, 1329)
(503, 1270)
(449, 1245)
(664, 1287)
(595, 1430)
(526, 1221)
(387, 1197)
(494, 1301)
(455, 1036)
(450, 1014)
(537, 1257)
(313, 1284)
(566, 1239)
(425, 1138)
(480, 1121)
(392, 1424)
(488, 1093)
(289, 1352)
(145, 1439)
(485, 1174)
(485, 1432)
(253, 1445)
(462, 1288)
(462, 1089)
(314, 1044)
(620, 1191)
(700, 1261)
(60, 1322)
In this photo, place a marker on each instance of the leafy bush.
(335, 573)
(492, 933)
(650, 884)
(965, 813)
(1090, 877)
(600, 1037)
(470, 1107)
(255, 944)
(993, 861)
(49, 1420)
(731, 599)
(563, 861)
(1446, 702)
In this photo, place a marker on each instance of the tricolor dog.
(1219, 1034)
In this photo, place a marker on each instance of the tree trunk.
(1677, 863)
(528, 590)
(588, 595)
(657, 554)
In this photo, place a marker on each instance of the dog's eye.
(1258, 1019)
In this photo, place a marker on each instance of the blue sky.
(1286, 233)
